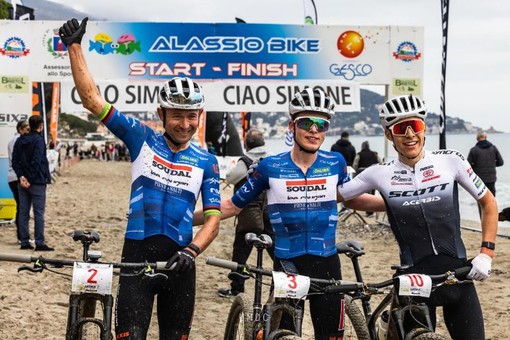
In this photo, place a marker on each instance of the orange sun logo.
(350, 44)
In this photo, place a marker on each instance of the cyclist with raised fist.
(168, 174)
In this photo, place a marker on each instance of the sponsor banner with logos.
(221, 95)
(114, 50)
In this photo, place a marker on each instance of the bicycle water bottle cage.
(86, 236)
(261, 241)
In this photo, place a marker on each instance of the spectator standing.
(344, 146)
(21, 128)
(254, 216)
(484, 157)
(30, 163)
(365, 158)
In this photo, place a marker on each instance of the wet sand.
(95, 195)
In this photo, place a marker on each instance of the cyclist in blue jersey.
(420, 190)
(168, 174)
(302, 202)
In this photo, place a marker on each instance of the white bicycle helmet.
(311, 100)
(402, 107)
(181, 93)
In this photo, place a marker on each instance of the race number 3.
(92, 278)
(290, 286)
(415, 285)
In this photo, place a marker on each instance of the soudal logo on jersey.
(170, 168)
(418, 192)
(306, 185)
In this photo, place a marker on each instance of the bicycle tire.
(423, 334)
(283, 334)
(355, 325)
(239, 322)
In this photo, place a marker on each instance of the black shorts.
(135, 298)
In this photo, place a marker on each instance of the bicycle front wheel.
(422, 334)
(355, 324)
(240, 321)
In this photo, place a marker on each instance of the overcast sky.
(478, 42)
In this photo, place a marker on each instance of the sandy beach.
(95, 195)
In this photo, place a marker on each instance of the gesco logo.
(350, 44)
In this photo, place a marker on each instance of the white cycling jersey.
(422, 202)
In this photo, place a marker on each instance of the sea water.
(460, 142)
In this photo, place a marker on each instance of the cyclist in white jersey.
(168, 175)
(420, 190)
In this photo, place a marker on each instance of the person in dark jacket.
(254, 218)
(31, 166)
(344, 146)
(484, 157)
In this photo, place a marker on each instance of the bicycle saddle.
(259, 241)
(350, 248)
(87, 236)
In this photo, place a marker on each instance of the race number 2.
(92, 278)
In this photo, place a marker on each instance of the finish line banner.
(148, 51)
(227, 96)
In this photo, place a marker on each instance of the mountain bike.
(248, 319)
(387, 320)
(91, 285)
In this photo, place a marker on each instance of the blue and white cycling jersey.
(164, 185)
(302, 207)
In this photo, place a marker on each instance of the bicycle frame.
(397, 309)
(265, 321)
(82, 305)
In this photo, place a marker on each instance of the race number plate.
(290, 286)
(415, 285)
(92, 278)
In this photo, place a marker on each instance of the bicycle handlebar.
(459, 273)
(331, 285)
(66, 262)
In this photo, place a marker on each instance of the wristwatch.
(488, 245)
(194, 247)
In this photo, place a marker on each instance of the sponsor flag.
(310, 12)
(54, 112)
(245, 123)
(442, 116)
(20, 12)
(36, 99)
(224, 137)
